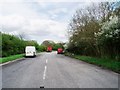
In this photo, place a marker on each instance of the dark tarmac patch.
(41, 86)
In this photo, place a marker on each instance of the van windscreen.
(30, 49)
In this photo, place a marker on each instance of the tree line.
(12, 45)
(54, 45)
(95, 31)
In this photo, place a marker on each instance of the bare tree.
(22, 35)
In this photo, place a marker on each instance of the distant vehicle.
(49, 49)
(60, 51)
(30, 51)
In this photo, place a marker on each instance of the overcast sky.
(39, 19)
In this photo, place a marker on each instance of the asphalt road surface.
(53, 70)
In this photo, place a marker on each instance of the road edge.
(93, 64)
(11, 61)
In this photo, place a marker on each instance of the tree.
(12, 45)
(84, 26)
(108, 38)
(47, 43)
(0, 44)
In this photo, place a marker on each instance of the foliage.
(109, 38)
(95, 31)
(103, 62)
(54, 45)
(0, 44)
(11, 58)
(57, 45)
(12, 45)
(47, 43)
(42, 48)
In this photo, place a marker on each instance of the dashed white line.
(46, 60)
(44, 74)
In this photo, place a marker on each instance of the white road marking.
(46, 60)
(44, 74)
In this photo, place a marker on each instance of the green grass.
(11, 58)
(102, 62)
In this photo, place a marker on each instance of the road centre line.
(46, 60)
(44, 74)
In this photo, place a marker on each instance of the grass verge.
(11, 58)
(102, 62)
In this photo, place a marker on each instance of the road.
(53, 70)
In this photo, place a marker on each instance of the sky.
(39, 19)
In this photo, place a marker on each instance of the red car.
(49, 49)
(60, 51)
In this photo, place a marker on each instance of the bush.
(12, 45)
(57, 45)
(42, 48)
(93, 35)
(109, 38)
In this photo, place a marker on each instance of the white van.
(30, 51)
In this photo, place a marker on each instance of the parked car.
(60, 51)
(30, 51)
(49, 49)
